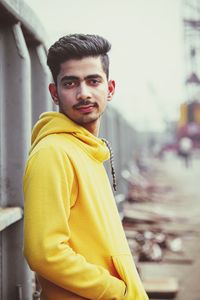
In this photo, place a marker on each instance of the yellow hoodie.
(73, 237)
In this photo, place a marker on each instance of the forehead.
(82, 67)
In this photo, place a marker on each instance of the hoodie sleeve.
(48, 183)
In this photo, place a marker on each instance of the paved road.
(183, 202)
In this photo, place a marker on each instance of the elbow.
(34, 259)
(40, 260)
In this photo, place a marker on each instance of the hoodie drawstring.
(111, 163)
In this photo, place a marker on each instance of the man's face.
(82, 91)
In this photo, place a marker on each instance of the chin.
(87, 119)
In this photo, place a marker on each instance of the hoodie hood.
(57, 123)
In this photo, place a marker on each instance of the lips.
(86, 108)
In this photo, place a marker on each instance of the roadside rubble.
(154, 232)
(147, 219)
(151, 245)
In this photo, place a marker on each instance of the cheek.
(103, 95)
(105, 98)
(66, 95)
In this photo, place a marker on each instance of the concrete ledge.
(20, 12)
(9, 215)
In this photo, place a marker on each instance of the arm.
(48, 184)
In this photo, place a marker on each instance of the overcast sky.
(147, 56)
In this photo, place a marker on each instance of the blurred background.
(153, 124)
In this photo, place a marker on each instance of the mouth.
(86, 108)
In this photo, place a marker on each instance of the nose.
(83, 91)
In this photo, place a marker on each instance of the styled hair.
(78, 46)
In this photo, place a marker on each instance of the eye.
(94, 81)
(69, 84)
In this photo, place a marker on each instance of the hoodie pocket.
(121, 262)
(126, 269)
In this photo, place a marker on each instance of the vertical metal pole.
(119, 151)
(123, 157)
(1, 273)
(2, 55)
(108, 120)
(19, 292)
(116, 148)
(1, 182)
(40, 78)
(16, 128)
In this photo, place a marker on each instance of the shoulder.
(54, 144)
(49, 153)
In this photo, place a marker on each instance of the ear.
(53, 92)
(111, 89)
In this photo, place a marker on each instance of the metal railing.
(23, 75)
(24, 78)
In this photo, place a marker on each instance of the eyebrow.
(70, 77)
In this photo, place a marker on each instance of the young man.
(74, 239)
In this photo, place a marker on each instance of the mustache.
(82, 103)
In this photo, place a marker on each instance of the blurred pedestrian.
(185, 150)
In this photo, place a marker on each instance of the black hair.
(78, 46)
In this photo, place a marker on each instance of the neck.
(93, 128)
